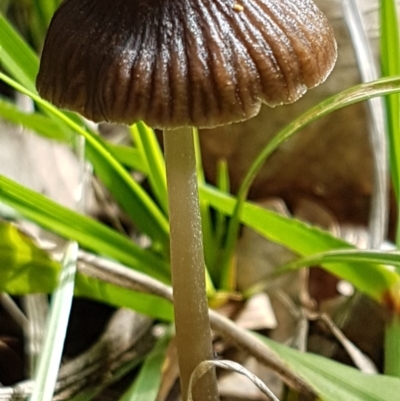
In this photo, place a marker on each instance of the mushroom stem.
(193, 334)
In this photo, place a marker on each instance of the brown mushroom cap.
(173, 63)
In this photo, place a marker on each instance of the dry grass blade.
(124, 340)
(362, 361)
(12, 308)
(36, 307)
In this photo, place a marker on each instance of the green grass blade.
(50, 357)
(297, 236)
(292, 233)
(333, 381)
(147, 383)
(367, 271)
(44, 10)
(22, 63)
(359, 93)
(227, 270)
(88, 232)
(128, 157)
(147, 216)
(351, 255)
(390, 65)
(220, 225)
(130, 195)
(390, 60)
(25, 268)
(16, 57)
(147, 144)
(4, 6)
(37, 122)
(392, 347)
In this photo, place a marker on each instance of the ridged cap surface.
(173, 63)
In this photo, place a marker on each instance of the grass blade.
(304, 240)
(50, 358)
(88, 232)
(130, 195)
(359, 93)
(390, 59)
(147, 144)
(374, 278)
(25, 268)
(220, 226)
(333, 381)
(22, 63)
(16, 57)
(128, 157)
(37, 122)
(148, 381)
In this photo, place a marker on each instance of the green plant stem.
(390, 63)
(392, 347)
(193, 334)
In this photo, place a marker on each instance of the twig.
(99, 364)
(122, 276)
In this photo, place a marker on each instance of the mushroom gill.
(176, 63)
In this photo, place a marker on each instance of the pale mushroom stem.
(193, 333)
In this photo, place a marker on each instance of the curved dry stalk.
(233, 367)
(101, 269)
(125, 277)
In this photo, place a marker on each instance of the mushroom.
(178, 64)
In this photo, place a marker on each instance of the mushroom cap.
(175, 63)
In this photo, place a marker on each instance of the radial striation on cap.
(175, 63)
